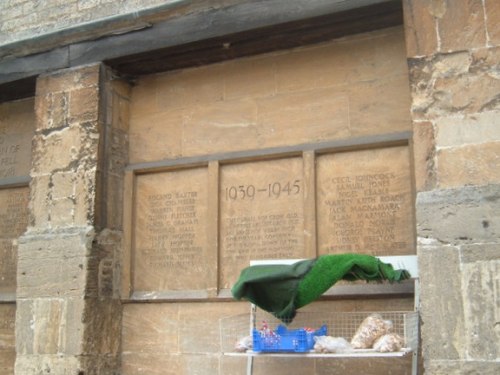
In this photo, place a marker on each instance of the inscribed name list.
(15, 154)
(13, 222)
(364, 202)
(170, 231)
(261, 214)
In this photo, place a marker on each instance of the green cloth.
(282, 289)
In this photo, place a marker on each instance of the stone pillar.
(454, 59)
(68, 313)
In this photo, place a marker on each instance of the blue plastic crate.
(285, 340)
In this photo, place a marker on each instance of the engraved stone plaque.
(17, 121)
(170, 231)
(7, 338)
(13, 222)
(261, 214)
(15, 153)
(364, 202)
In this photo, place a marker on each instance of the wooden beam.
(20, 89)
(262, 40)
(207, 35)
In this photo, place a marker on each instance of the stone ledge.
(465, 215)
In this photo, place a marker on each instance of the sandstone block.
(51, 110)
(16, 132)
(84, 198)
(83, 105)
(199, 363)
(56, 151)
(376, 55)
(53, 264)
(53, 363)
(201, 335)
(380, 106)
(451, 64)
(143, 98)
(312, 67)
(148, 140)
(121, 107)
(466, 94)
(151, 364)
(420, 28)
(462, 25)
(480, 288)
(356, 58)
(185, 88)
(480, 252)
(441, 303)
(455, 84)
(283, 366)
(62, 185)
(68, 79)
(325, 111)
(439, 367)
(40, 201)
(486, 60)
(48, 326)
(492, 21)
(62, 212)
(221, 126)
(371, 366)
(151, 328)
(468, 165)
(23, 328)
(114, 202)
(253, 77)
(7, 338)
(468, 214)
(472, 129)
(424, 151)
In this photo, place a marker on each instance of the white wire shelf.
(339, 324)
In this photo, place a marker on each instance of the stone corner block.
(469, 214)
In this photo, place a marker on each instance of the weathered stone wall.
(351, 88)
(69, 316)
(67, 320)
(17, 124)
(453, 50)
(20, 19)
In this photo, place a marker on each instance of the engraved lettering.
(170, 236)
(261, 213)
(10, 149)
(13, 222)
(366, 209)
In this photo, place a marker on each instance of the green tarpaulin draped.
(282, 289)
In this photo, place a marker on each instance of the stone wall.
(453, 50)
(17, 124)
(21, 19)
(67, 319)
(354, 88)
(77, 283)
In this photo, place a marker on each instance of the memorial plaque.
(15, 154)
(13, 222)
(364, 202)
(261, 214)
(7, 338)
(170, 233)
